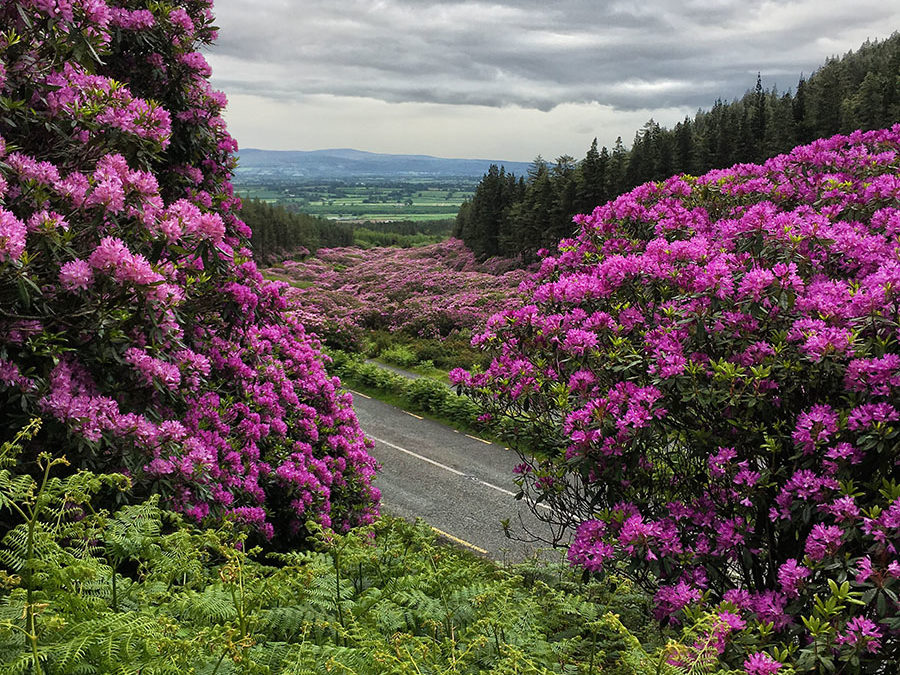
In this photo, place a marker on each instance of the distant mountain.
(349, 163)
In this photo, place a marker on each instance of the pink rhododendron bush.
(427, 291)
(710, 376)
(132, 317)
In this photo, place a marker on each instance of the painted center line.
(450, 469)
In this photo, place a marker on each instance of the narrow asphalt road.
(458, 484)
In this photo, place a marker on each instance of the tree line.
(278, 232)
(516, 216)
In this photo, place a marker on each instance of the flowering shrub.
(132, 317)
(709, 375)
(427, 291)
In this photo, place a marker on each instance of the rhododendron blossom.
(707, 380)
(133, 314)
(761, 663)
(430, 291)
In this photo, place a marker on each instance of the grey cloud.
(532, 53)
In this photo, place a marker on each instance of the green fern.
(211, 606)
(141, 591)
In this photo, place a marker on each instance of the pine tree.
(590, 180)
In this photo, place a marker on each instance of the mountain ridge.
(349, 162)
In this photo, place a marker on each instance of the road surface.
(460, 485)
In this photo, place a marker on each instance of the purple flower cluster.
(430, 291)
(713, 364)
(137, 321)
(761, 663)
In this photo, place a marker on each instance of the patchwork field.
(375, 200)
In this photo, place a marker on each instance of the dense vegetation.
(403, 233)
(707, 379)
(133, 319)
(512, 216)
(709, 374)
(141, 591)
(168, 378)
(279, 233)
(349, 295)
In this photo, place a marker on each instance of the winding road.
(460, 485)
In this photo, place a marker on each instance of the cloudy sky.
(509, 80)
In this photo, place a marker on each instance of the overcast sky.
(509, 80)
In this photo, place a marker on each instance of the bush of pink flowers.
(132, 316)
(427, 291)
(708, 376)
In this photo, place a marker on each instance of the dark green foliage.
(858, 91)
(422, 395)
(482, 220)
(278, 232)
(592, 179)
(387, 601)
(402, 233)
(445, 354)
(409, 228)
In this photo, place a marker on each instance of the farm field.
(376, 200)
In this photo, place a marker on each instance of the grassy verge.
(426, 396)
(429, 356)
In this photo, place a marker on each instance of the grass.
(275, 276)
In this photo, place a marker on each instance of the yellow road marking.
(475, 438)
(356, 393)
(461, 542)
(412, 415)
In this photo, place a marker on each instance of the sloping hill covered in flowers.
(711, 371)
(429, 291)
(132, 317)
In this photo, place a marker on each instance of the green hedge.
(423, 395)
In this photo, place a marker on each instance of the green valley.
(373, 200)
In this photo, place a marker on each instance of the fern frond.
(119, 642)
(15, 547)
(313, 659)
(212, 606)
(14, 488)
(286, 623)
